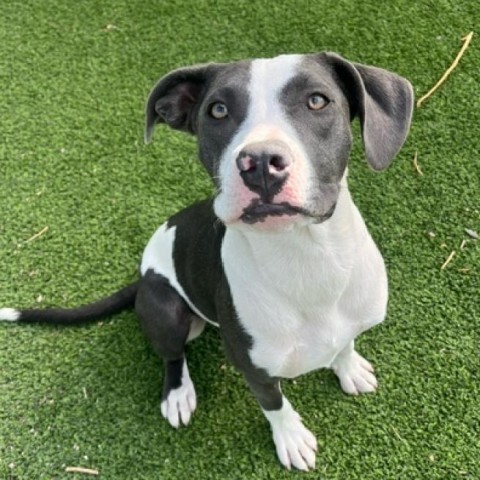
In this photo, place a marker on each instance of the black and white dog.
(280, 259)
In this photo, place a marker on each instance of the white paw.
(355, 374)
(180, 403)
(296, 446)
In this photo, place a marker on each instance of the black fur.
(115, 303)
(165, 319)
(196, 255)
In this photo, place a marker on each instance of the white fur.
(158, 256)
(181, 402)
(265, 121)
(295, 444)
(9, 314)
(354, 372)
(305, 294)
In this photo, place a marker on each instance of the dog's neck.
(305, 260)
(308, 264)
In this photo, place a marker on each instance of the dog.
(280, 259)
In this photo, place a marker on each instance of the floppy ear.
(175, 98)
(383, 102)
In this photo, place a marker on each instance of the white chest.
(288, 303)
(308, 345)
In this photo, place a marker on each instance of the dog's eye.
(218, 110)
(317, 101)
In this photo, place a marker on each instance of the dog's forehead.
(266, 77)
(272, 72)
(233, 74)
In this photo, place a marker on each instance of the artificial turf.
(74, 76)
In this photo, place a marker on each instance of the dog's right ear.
(175, 98)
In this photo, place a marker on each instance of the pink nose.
(264, 167)
(272, 162)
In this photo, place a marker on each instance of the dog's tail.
(115, 303)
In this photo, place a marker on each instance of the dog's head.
(274, 134)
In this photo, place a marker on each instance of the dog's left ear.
(175, 98)
(383, 102)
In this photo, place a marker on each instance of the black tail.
(115, 303)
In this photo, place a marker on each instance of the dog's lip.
(258, 211)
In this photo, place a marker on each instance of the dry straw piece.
(37, 235)
(447, 261)
(86, 471)
(466, 41)
(416, 165)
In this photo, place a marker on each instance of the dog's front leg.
(295, 444)
(354, 372)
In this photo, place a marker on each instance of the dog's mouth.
(258, 211)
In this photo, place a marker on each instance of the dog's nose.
(264, 168)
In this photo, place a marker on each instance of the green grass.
(74, 76)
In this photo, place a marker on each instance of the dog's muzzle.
(264, 168)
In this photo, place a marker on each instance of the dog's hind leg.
(169, 323)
